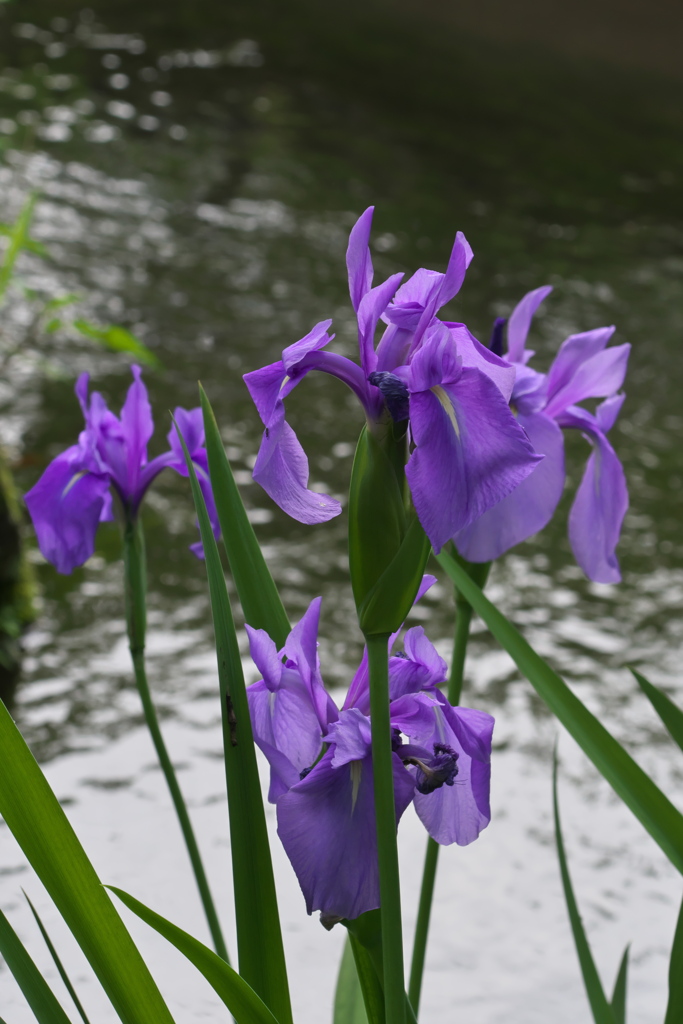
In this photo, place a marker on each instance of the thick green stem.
(463, 621)
(424, 912)
(385, 818)
(136, 621)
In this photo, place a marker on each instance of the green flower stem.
(463, 620)
(136, 621)
(424, 912)
(385, 817)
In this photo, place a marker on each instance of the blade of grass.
(58, 963)
(17, 234)
(652, 808)
(618, 1003)
(40, 826)
(670, 714)
(256, 590)
(601, 1010)
(238, 996)
(37, 992)
(674, 1010)
(349, 1004)
(259, 937)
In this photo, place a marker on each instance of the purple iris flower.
(321, 762)
(74, 494)
(584, 368)
(451, 393)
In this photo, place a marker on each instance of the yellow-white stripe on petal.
(447, 406)
(356, 770)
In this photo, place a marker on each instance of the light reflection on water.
(219, 244)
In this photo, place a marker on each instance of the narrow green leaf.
(365, 933)
(652, 808)
(259, 938)
(238, 996)
(118, 339)
(257, 592)
(53, 325)
(670, 714)
(18, 240)
(40, 826)
(618, 1002)
(61, 302)
(349, 1005)
(602, 1012)
(37, 992)
(58, 963)
(674, 1009)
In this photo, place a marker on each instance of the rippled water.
(197, 181)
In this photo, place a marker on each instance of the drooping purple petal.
(470, 451)
(327, 827)
(601, 500)
(520, 322)
(66, 507)
(281, 468)
(271, 384)
(529, 507)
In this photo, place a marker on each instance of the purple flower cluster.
(74, 494)
(486, 463)
(321, 776)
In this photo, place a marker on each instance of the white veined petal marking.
(73, 481)
(447, 407)
(356, 770)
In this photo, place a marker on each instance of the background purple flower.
(74, 493)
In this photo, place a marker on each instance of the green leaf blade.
(674, 1009)
(37, 992)
(600, 1008)
(349, 1005)
(58, 963)
(40, 826)
(647, 802)
(256, 589)
(618, 1002)
(670, 714)
(238, 996)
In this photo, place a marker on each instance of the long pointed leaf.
(670, 714)
(652, 808)
(40, 826)
(240, 998)
(257, 592)
(38, 993)
(602, 1011)
(349, 1006)
(259, 938)
(58, 963)
(674, 1010)
(618, 1002)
